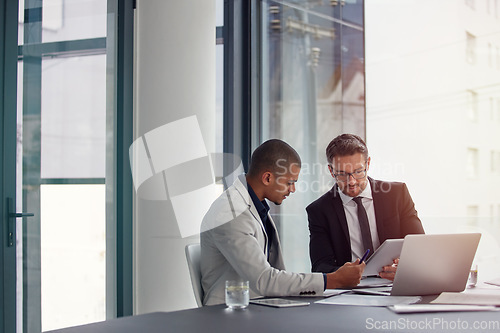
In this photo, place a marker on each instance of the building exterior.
(433, 111)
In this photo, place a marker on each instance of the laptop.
(431, 264)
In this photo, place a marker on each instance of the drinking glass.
(237, 294)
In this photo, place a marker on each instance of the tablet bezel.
(384, 255)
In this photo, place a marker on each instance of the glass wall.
(219, 75)
(432, 106)
(61, 261)
(312, 89)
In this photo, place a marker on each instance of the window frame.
(118, 47)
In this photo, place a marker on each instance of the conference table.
(312, 318)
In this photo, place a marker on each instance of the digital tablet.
(278, 302)
(383, 256)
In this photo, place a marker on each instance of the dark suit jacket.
(329, 243)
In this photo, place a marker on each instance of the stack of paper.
(364, 300)
(467, 298)
(371, 282)
(419, 308)
(334, 292)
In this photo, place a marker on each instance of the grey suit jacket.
(234, 247)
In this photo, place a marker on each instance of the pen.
(364, 256)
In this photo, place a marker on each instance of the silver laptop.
(431, 264)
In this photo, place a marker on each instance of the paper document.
(467, 298)
(365, 300)
(370, 282)
(495, 282)
(334, 292)
(418, 308)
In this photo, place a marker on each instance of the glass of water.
(472, 277)
(237, 294)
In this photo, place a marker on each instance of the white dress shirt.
(351, 214)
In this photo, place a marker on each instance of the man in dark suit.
(358, 212)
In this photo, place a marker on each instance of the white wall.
(175, 78)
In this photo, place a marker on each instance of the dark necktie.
(270, 233)
(269, 230)
(364, 226)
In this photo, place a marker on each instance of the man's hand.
(388, 272)
(347, 276)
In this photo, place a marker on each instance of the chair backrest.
(193, 252)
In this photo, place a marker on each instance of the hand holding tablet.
(389, 271)
(383, 256)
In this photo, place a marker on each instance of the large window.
(312, 89)
(61, 159)
(219, 75)
(430, 113)
(431, 100)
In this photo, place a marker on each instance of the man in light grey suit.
(239, 240)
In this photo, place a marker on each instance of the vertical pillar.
(175, 79)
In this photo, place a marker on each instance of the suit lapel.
(243, 190)
(256, 216)
(275, 255)
(338, 210)
(379, 208)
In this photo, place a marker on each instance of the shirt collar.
(261, 206)
(367, 193)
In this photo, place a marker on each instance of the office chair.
(193, 252)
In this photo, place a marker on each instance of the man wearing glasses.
(359, 212)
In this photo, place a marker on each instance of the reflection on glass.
(312, 90)
(219, 97)
(73, 19)
(64, 20)
(219, 13)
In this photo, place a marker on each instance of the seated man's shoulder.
(226, 208)
(382, 186)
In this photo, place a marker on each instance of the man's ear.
(267, 178)
(368, 163)
(330, 168)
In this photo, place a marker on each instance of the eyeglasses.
(344, 176)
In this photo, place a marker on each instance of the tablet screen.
(384, 255)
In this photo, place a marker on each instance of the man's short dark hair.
(275, 156)
(346, 145)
